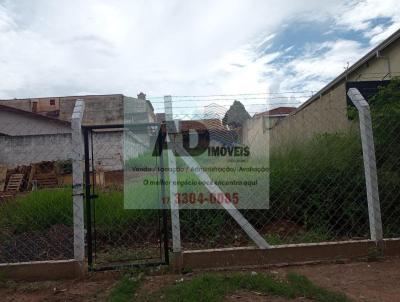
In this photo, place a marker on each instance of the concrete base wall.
(288, 254)
(43, 270)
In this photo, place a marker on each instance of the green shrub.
(37, 210)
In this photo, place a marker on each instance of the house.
(100, 109)
(219, 134)
(255, 132)
(27, 137)
(326, 110)
(160, 117)
(279, 112)
(273, 116)
(32, 133)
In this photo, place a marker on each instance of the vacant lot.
(358, 281)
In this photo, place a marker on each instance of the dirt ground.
(360, 281)
(257, 297)
(95, 287)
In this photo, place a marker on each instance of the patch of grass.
(3, 278)
(320, 185)
(111, 214)
(37, 210)
(375, 254)
(124, 290)
(41, 209)
(213, 288)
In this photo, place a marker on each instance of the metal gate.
(118, 237)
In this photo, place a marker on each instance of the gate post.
(371, 178)
(77, 181)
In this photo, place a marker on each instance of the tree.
(385, 113)
(236, 115)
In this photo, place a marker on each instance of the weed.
(375, 254)
(214, 287)
(124, 290)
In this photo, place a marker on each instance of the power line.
(233, 95)
(228, 99)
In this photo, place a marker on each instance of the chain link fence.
(316, 192)
(385, 112)
(36, 221)
(317, 187)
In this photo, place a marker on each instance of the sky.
(282, 50)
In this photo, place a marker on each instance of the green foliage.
(210, 224)
(145, 160)
(124, 290)
(385, 111)
(3, 278)
(236, 115)
(387, 97)
(320, 185)
(111, 215)
(42, 209)
(214, 287)
(37, 210)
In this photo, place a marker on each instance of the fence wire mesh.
(385, 113)
(317, 185)
(36, 220)
(120, 234)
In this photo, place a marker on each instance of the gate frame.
(164, 237)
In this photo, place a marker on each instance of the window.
(52, 102)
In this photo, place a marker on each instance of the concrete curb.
(43, 270)
(288, 254)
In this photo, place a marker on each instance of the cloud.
(363, 15)
(176, 47)
(328, 64)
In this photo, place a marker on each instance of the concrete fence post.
(368, 149)
(175, 222)
(77, 180)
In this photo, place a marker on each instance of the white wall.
(24, 150)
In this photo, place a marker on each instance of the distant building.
(38, 129)
(27, 137)
(99, 109)
(219, 134)
(271, 117)
(160, 117)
